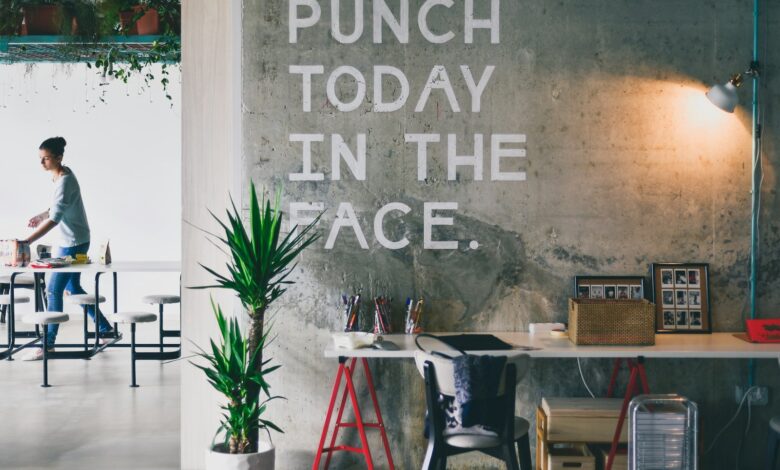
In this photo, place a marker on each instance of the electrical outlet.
(759, 396)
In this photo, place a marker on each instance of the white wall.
(125, 151)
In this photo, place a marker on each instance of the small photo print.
(610, 292)
(583, 292)
(694, 278)
(636, 293)
(680, 277)
(695, 319)
(667, 298)
(681, 298)
(667, 278)
(682, 319)
(596, 292)
(694, 298)
(622, 292)
(669, 319)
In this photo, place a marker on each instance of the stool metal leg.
(45, 357)
(86, 339)
(3, 291)
(132, 354)
(161, 327)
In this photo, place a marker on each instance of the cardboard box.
(14, 253)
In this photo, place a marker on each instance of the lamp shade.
(724, 96)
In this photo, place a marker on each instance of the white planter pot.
(261, 460)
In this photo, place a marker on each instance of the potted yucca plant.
(261, 260)
(231, 371)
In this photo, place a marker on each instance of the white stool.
(43, 319)
(161, 300)
(85, 300)
(5, 303)
(132, 318)
(5, 299)
(22, 281)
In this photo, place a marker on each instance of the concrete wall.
(626, 164)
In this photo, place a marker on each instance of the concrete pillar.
(211, 126)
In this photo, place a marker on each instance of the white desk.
(670, 346)
(667, 346)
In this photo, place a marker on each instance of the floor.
(90, 418)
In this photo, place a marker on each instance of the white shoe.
(35, 355)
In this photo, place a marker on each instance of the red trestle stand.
(637, 377)
(349, 389)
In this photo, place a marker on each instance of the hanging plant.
(121, 61)
(95, 25)
(11, 15)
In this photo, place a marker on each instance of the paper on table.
(353, 340)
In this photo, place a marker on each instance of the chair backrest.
(445, 376)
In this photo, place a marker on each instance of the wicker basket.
(611, 322)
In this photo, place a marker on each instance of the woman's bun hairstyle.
(55, 145)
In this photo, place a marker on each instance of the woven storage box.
(611, 322)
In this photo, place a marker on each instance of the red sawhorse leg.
(349, 391)
(637, 374)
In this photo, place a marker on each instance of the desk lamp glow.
(725, 97)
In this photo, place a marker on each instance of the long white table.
(670, 346)
(541, 346)
(93, 269)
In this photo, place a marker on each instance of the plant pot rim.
(263, 447)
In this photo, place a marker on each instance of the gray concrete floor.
(90, 418)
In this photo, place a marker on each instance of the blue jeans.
(72, 282)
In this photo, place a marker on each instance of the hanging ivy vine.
(101, 34)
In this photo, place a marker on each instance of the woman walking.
(66, 212)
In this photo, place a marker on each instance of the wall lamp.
(725, 96)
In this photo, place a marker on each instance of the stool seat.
(45, 318)
(161, 299)
(21, 280)
(132, 317)
(84, 299)
(5, 299)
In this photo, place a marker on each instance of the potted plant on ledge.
(260, 262)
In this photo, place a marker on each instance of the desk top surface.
(116, 267)
(681, 346)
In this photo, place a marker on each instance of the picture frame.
(681, 294)
(610, 287)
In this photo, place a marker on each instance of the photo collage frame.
(681, 296)
(609, 287)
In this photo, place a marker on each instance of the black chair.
(443, 442)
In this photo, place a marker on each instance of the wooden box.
(576, 420)
(621, 458)
(570, 457)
